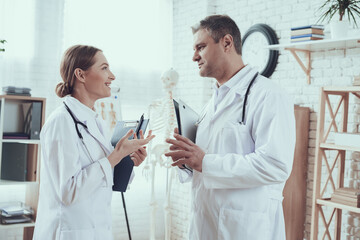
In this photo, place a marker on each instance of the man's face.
(207, 54)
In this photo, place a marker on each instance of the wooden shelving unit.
(315, 46)
(329, 96)
(12, 120)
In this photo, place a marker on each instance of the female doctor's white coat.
(75, 191)
(238, 194)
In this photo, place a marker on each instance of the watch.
(254, 52)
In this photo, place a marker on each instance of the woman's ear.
(80, 74)
(228, 42)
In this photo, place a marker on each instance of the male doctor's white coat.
(238, 194)
(75, 189)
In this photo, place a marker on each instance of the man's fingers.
(180, 162)
(176, 130)
(178, 154)
(184, 139)
(174, 148)
(177, 143)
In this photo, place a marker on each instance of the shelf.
(329, 203)
(331, 146)
(320, 45)
(17, 225)
(19, 97)
(10, 182)
(315, 46)
(25, 141)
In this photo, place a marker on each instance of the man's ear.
(80, 74)
(228, 42)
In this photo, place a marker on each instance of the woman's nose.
(112, 76)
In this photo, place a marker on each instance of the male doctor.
(240, 162)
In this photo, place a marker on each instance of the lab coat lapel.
(88, 117)
(235, 95)
(225, 103)
(95, 132)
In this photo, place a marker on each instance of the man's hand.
(184, 151)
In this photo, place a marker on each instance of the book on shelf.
(305, 39)
(307, 31)
(15, 212)
(308, 35)
(347, 196)
(345, 201)
(356, 81)
(308, 26)
(350, 192)
(15, 135)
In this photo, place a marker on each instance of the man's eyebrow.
(104, 64)
(198, 45)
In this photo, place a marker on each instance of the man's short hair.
(218, 26)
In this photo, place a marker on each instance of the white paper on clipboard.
(186, 120)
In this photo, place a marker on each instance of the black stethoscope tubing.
(76, 122)
(79, 134)
(246, 97)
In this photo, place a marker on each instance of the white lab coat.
(75, 193)
(238, 195)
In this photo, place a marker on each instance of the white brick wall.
(334, 67)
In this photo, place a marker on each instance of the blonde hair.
(78, 56)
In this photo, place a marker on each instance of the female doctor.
(77, 156)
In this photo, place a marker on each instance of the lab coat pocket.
(237, 138)
(87, 234)
(242, 224)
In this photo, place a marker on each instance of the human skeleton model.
(162, 122)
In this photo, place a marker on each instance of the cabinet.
(330, 161)
(21, 118)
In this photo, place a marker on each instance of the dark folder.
(123, 170)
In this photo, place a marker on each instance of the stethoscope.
(242, 122)
(245, 99)
(76, 122)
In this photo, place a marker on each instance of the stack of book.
(15, 212)
(356, 81)
(347, 196)
(307, 33)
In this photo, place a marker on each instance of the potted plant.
(2, 49)
(351, 8)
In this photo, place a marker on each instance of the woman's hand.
(139, 156)
(125, 147)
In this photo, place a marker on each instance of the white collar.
(80, 110)
(239, 81)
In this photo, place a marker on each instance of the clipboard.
(123, 170)
(186, 120)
